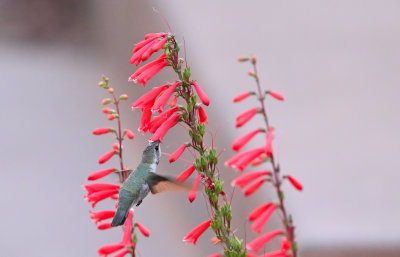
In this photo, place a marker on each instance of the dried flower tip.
(259, 242)
(123, 97)
(295, 183)
(111, 90)
(242, 59)
(177, 153)
(104, 158)
(193, 191)
(129, 133)
(276, 95)
(100, 174)
(106, 101)
(101, 131)
(143, 229)
(242, 96)
(253, 59)
(194, 235)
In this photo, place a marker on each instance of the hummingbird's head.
(152, 153)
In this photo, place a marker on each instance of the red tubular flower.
(145, 120)
(101, 215)
(143, 229)
(259, 223)
(203, 97)
(202, 115)
(104, 158)
(245, 179)
(195, 187)
(129, 133)
(268, 143)
(253, 187)
(194, 235)
(185, 174)
(107, 110)
(115, 146)
(285, 244)
(255, 214)
(105, 250)
(101, 131)
(215, 255)
(275, 254)
(121, 254)
(241, 97)
(259, 160)
(147, 71)
(241, 160)
(100, 173)
(295, 183)
(147, 100)
(155, 123)
(104, 226)
(127, 238)
(163, 129)
(96, 187)
(144, 49)
(244, 117)
(276, 95)
(238, 156)
(259, 242)
(101, 195)
(173, 101)
(250, 255)
(177, 153)
(243, 140)
(163, 99)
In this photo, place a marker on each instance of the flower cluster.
(97, 192)
(250, 182)
(164, 101)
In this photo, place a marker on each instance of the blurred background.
(336, 62)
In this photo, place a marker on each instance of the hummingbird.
(142, 181)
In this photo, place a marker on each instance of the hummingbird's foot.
(139, 203)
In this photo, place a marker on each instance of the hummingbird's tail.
(120, 217)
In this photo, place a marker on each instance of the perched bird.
(141, 181)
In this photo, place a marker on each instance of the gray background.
(336, 62)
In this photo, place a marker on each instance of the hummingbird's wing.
(160, 184)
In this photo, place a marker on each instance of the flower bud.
(253, 59)
(111, 90)
(129, 133)
(112, 116)
(106, 101)
(123, 97)
(242, 59)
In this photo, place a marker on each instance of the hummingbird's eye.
(157, 148)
